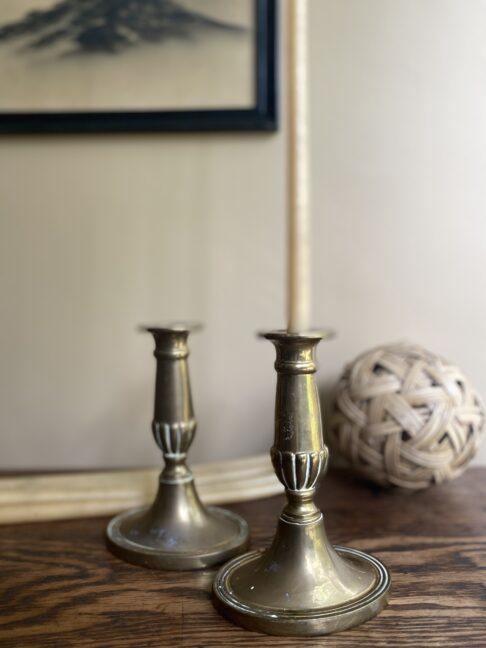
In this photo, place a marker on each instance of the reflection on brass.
(301, 585)
(177, 531)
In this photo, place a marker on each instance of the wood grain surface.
(59, 586)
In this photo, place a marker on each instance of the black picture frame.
(262, 117)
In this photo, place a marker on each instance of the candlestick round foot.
(249, 591)
(136, 537)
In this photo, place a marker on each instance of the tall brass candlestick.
(177, 531)
(301, 585)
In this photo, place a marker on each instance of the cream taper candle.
(298, 168)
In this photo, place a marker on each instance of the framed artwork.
(70, 66)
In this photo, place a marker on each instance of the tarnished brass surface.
(300, 585)
(177, 531)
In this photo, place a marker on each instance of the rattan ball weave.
(405, 416)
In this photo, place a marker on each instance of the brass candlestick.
(301, 585)
(177, 531)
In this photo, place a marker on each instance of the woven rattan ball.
(405, 416)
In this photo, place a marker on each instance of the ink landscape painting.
(126, 55)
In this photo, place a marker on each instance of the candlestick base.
(177, 531)
(301, 585)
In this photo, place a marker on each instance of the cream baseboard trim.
(89, 494)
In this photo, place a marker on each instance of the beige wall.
(99, 234)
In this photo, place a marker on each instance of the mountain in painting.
(108, 26)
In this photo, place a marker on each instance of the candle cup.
(300, 585)
(177, 531)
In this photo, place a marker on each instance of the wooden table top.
(59, 586)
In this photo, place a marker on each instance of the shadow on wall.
(109, 26)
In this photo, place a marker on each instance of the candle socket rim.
(171, 327)
(310, 335)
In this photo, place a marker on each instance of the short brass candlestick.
(177, 531)
(301, 585)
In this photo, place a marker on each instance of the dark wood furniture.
(59, 586)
